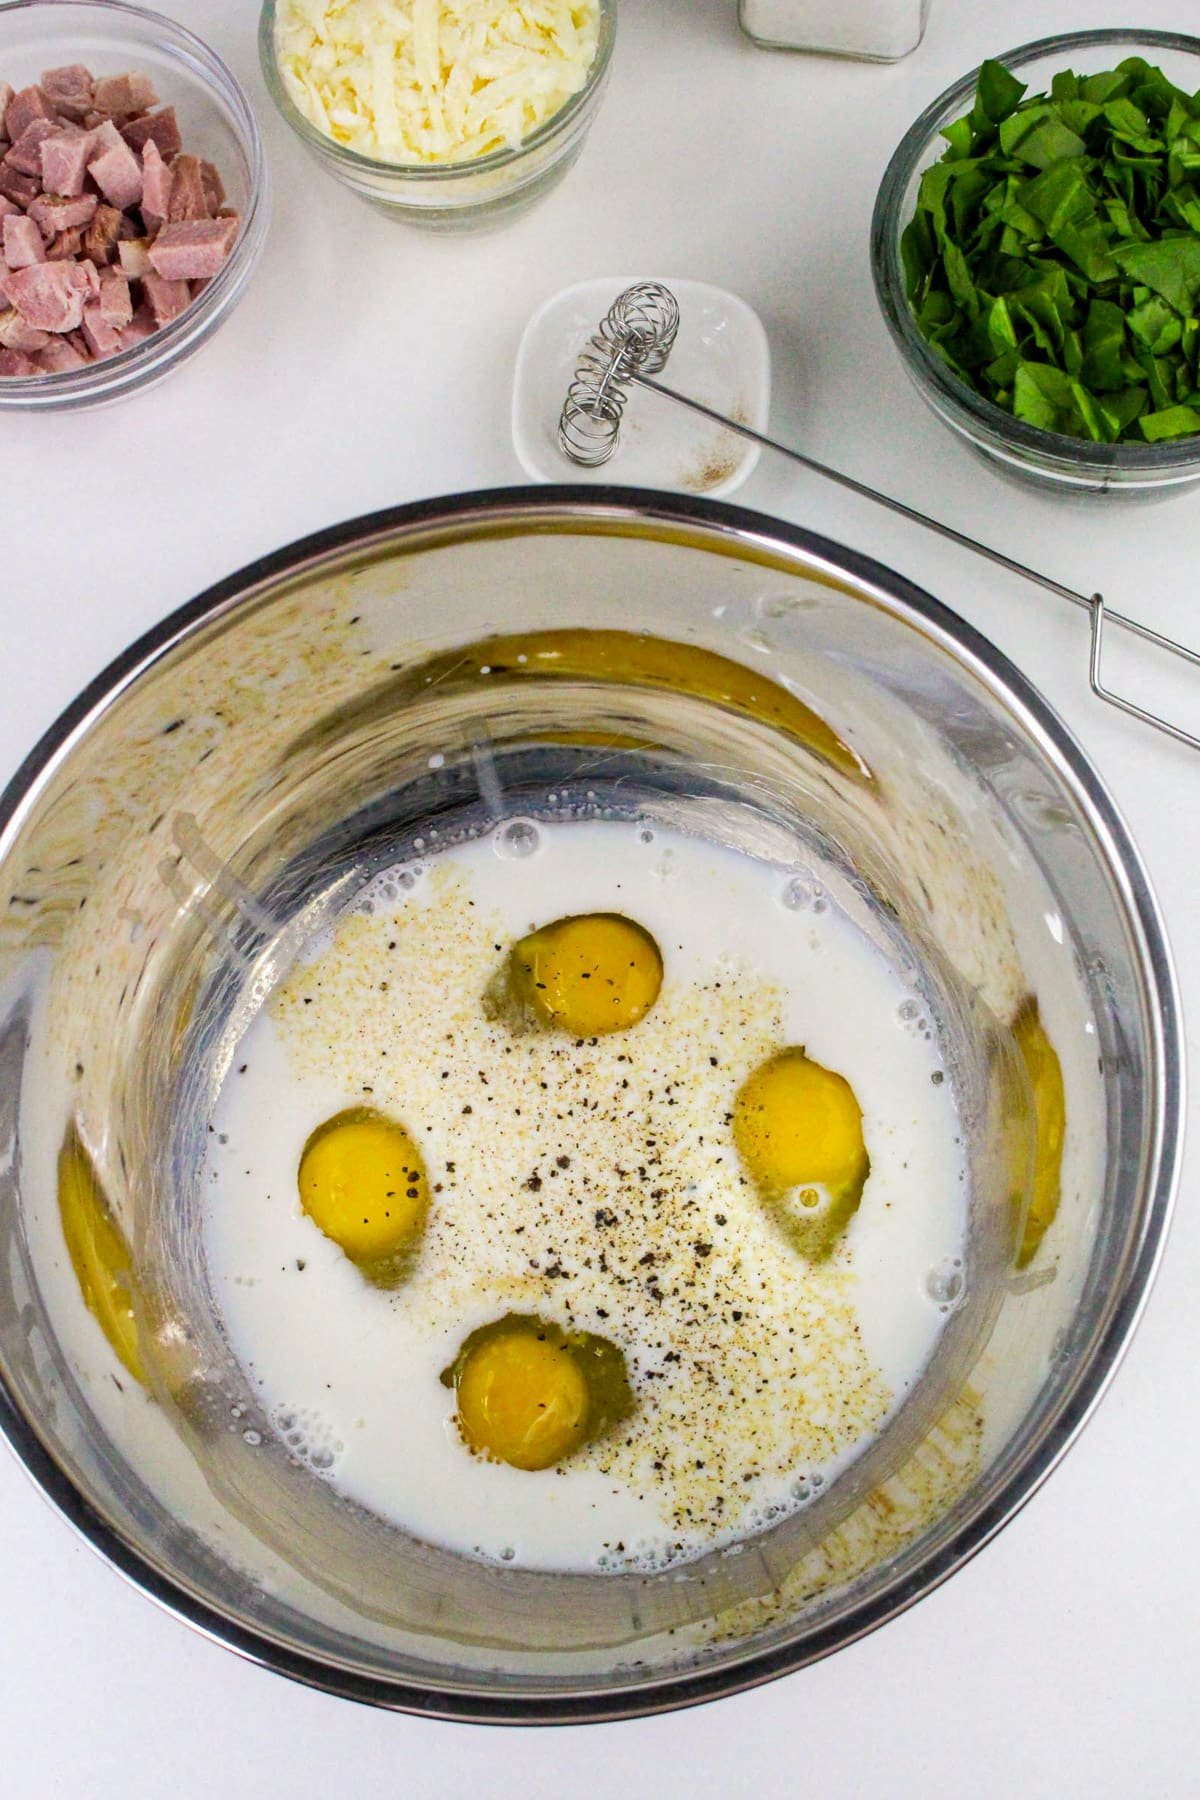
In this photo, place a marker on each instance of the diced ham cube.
(104, 136)
(64, 161)
(30, 104)
(139, 329)
(69, 90)
(23, 244)
(75, 110)
(214, 187)
(124, 96)
(134, 254)
(194, 249)
(59, 356)
(24, 337)
(115, 302)
(16, 363)
(55, 212)
(161, 128)
(72, 81)
(6, 95)
(87, 279)
(47, 296)
(103, 338)
(7, 207)
(20, 189)
(166, 299)
(187, 190)
(66, 246)
(102, 235)
(115, 169)
(157, 183)
(15, 334)
(25, 155)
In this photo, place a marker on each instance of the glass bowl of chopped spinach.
(1036, 254)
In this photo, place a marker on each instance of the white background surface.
(370, 365)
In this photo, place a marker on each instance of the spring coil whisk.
(635, 337)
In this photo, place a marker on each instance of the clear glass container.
(454, 196)
(216, 121)
(869, 30)
(1044, 458)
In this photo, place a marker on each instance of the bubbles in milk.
(654, 1557)
(516, 840)
(944, 1284)
(387, 889)
(803, 894)
(914, 1020)
(309, 1438)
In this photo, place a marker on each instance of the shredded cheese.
(416, 81)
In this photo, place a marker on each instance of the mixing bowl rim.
(620, 511)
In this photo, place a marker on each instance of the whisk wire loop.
(635, 337)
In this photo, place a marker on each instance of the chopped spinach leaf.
(1053, 259)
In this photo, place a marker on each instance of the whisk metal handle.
(1100, 613)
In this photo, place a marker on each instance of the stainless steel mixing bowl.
(244, 767)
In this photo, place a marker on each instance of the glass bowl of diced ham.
(133, 199)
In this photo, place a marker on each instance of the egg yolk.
(530, 1394)
(363, 1183)
(99, 1254)
(798, 1130)
(587, 975)
(1050, 1118)
(523, 1401)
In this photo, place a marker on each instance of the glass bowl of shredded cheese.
(445, 113)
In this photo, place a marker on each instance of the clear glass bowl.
(216, 122)
(488, 190)
(1047, 458)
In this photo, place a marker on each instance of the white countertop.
(369, 365)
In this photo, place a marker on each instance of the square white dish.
(720, 357)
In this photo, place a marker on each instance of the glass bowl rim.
(116, 373)
(1054, 448)
(355, 161)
